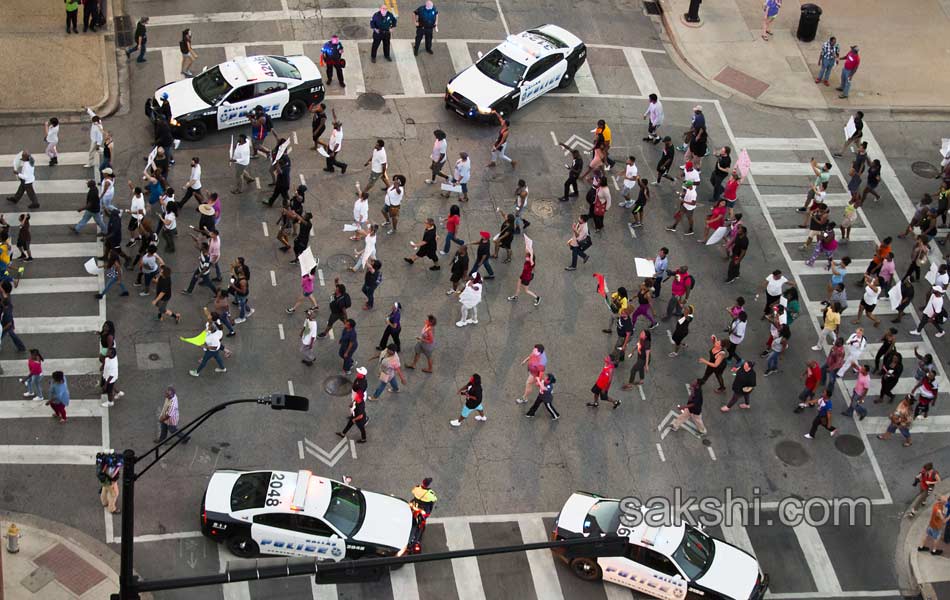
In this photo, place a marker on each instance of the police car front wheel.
(567, 77)
(243, 546)
(586, 568)
(294, 110)
(195, 130)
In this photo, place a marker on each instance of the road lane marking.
(47, 186)
(501, 15)
(408, 68)
(273, 279)
(468, 578)
(59, 324)
(264, 226)
(257, 16)
(239, 590)
(712, 453)
(736, 535)
(320, 277)
(232, 51)
(585, 80)
(41, 160)
(323, 591)
(171, 62)
(293, 49)
(540, 562)
(300, 449)
(770, 169)
(858, 234)
(798, 200)
(57, 285)
(404, 584)
(280, 330)
(20, 409)
(354, 70)
(458, 51)
(935, 424)
(819, 564)
(659, 450)
(290, 387)
(641, 71)
(49, 455)
(770, 143)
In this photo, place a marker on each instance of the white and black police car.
(298, 514)
(522, 68)
(671, 563)
(222, 96)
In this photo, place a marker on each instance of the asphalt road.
(501, 481)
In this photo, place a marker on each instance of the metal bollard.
(13, 539)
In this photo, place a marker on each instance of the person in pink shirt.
(714, 220)
(306, 291)
(859, 393)
(886, 275)
(851, 63)
(34, 381)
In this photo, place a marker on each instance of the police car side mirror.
(480, 55)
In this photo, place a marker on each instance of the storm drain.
(653, 8)
(123, 31)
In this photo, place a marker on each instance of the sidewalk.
(930, 573)
(900, 56)
(55, 562)
(59, 74)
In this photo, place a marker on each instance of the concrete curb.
(675, 51)
(110, 92)
(907, 545)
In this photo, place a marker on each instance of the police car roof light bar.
(649, 535)
(300, 492)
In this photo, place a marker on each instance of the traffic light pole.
(127, 579)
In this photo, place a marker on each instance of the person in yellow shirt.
(832, 323)
(604, 131)
(618, 304)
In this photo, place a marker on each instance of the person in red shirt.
(925, 480)
(602, 386)
(812, 376)
(451, 228)
(851, 63)
(731, 193)
(527, 274)
(714, 220)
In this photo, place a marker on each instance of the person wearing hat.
(427, 247)
(483, 254)
(472, 393)
(933, 312)
(206, 220)
(331, 55)
(851, 63)
(696, 132)
(357, 407)
(687, 206)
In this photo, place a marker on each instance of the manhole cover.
(370, 101)
(354, 32)
(925, 169)
(153, 356)
(850, 445)
(340, 262)
(543, 208)
(337, 385)
(707, 441)
(791, 453)
(485, 13)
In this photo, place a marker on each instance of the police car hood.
(181, 97)
(732, 573)
(478, 87)
(387, 521)
(574, 512)
(218, 494)
(308, 70)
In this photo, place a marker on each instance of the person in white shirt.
(360, 214)
(52, 140)
(933, 312)
(369, 250)
(110, 376)
(377, 165)
(193, 187)
(854, 346)
(23, 168)
(212, 349)
(308, 336)
(630, 176)
(107, 191)
(655, 114)
(470, 298)
(392, 204)
(439, 153)
(460, 176)
(869, 301)
(136, 207)
(241, 158)
(96, 139)
(774, 286)
(687, 206)
(690, 173)
(334, 146)
(169, 218)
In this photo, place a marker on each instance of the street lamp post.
(128, 583)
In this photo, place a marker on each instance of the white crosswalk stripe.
(800, 268)
(458, 51)
(798, 200)
(264, 15)
(49, 455)
(48, 186)
(50, 218)
(817, 558)
(41, 160)
(354, 68)
(171, 63)
(934, 424)
(858, 234)
(585, 80)
(641, 72)
(66, 250)
(768, 168)
(20, 409)
(764, 143)
(408, 68)
(468, 579)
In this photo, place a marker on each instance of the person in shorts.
(601, 387)
(472, 392)
(425, 344)
(938, 520)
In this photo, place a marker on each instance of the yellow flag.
(198, 340)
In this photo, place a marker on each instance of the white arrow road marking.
(328, 458)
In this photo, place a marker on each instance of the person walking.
(168, 417)
(858, 394)
(891, 372)
(109, 478)
(546, 397)
(687, 206)
(188, 54)
(601, 387)
(469, 298)
(241, 158)
(193, 185)
(926, 480)
(377, 162)
(900, 420)
(110, 376)
(334, 146)
(306, 291)
(382, 23)
(681, 330)
(715, 364)
(163, 292)
(58, 395)
(461, 173)
(743, 385)
(427, 21)
(933, 312)
(202, 272)
(643, 196)
(524, 280)
(34, 379)
(642, 365)
(851, 63)
(665, 163)
(770, 10)
(504, 237)
(459, 269)
(854, 348)
(452, 229)
(440, 149)
(212, 349)
(827, 59)
(390, 367)
(348, 345)
(393, 329)
(693, 410)
(537, 362)
(654, 117)
(339, 303)
(737, 253)
(367, 255)
(425, 344)
(141, 40)
(721, 171)
(823, 417)
(357, 407)
(308, 335)
(856, 137)
(331, 55)
(929, 387)
(113, 275)
(869, 301)
(25, 170)
(778, 346)
(51, 137)
(579, 242)
(96, 138)
(501, 142)
(573, 173)
(471, 392)
(483, 255)
(521, 203)
(427, 247)
(682, 284)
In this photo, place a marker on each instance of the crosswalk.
(540, 575)
(460, 54)
(70, 330)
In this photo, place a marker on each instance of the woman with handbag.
(901, 420)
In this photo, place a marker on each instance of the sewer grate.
(653, 8)
(925, 169)
(123, 31)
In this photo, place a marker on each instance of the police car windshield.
(501, 68)
(249, 491)
(695, 553)
(211, 86)
(547, 38)
(283, 68)
(346, 509)
(603, 519)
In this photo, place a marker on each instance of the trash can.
(808, 22)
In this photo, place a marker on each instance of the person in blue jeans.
(779, 345)
(113, 273)
(830, 52)
(389, 369)
(141, 39)
(482, 255)
(212, 349)
(348, 345)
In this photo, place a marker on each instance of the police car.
(670, 563)
(521, 69)
(299, 514)
(221, 96)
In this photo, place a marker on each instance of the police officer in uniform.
(332, 54)
(427, 19)
(382, 24)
